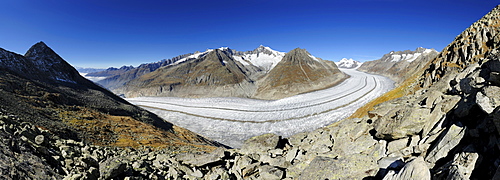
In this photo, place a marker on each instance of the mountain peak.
(41, 49)
(45, 62)
(264, 49)
(348, 63)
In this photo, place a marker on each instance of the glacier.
(233, 120)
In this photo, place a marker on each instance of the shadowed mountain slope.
(43, 89)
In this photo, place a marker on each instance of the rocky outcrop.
(399, 65)
(468, 48)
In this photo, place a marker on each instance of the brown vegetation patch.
(122, 131)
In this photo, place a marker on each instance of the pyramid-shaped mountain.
(298, 72)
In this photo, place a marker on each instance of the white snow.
(233, 120)
(348, 63)
(412, 57)
(241, 60)
(408, 57)
(428, 50)
(194, 56)
(396, 58)
(316, 59)
(262, 60)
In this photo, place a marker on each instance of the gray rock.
(93, 173)
(291, 154)
(355, 166)
(197, 173)
(112, 167)
(488, 98)
(445, 143)
(462, 166)
(270, 172)
(396, 145)
(494, 78)
(402, 122)
(416, 169)
(261, 143)
(391, 163)
(250, 170)
(217, 173)
(40, 139)
(201, 159)
(277, 161)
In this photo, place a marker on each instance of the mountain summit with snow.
(262, 57)
(348, 63)
(399, 64)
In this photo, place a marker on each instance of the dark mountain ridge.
(43, 89)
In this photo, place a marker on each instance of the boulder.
(397, 145)
(494, 78)
(447, 142)
(270, 172)
(462, 166)
(355, 166)
(261, 143)
(112, 167)
(401, 122)
(488, 98)
(201, 159)
(391, 163)
(416, 169)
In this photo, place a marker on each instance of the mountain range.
(262, 73)
(398, 65)
(348, 63)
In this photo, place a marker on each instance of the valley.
(232, 120)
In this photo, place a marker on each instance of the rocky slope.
(225, 72)
(348, 63)
(298, 72)
(39, 91)
(397, 65)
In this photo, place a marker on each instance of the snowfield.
(233, 120)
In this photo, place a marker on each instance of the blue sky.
(97, 33)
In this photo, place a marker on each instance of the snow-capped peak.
(223, 48)
(263, 57)
(348, 63)
(408, 55)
